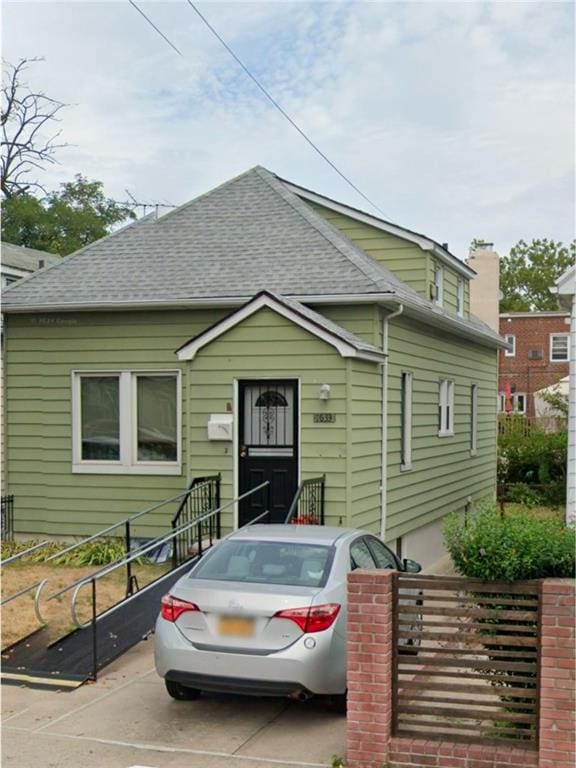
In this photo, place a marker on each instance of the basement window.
(446, 408)
(126, 422)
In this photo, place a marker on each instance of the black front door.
(268, 447)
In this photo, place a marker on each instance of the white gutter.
(222, 301)
(427, 313)
(384, 485)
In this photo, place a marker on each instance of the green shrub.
(535, 459)
(511, 547)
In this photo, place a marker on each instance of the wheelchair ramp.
(40, 661)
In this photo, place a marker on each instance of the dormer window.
(460, 298)
(438, 284)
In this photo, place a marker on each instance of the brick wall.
(532, 332)
(370, 743)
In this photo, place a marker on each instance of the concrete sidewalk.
(127, 719)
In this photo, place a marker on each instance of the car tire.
(181, 692)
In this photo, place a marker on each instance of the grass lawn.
(18, 617)
(544, 512)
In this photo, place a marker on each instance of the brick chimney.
(485, 287)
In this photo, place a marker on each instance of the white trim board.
(345, 348)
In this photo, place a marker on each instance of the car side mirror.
(411, 566)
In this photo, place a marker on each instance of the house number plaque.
(324, 418)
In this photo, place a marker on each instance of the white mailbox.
(220, 426)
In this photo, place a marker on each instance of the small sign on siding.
(324, 418)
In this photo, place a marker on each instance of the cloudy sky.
(456, 118)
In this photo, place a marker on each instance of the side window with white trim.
(126, 422)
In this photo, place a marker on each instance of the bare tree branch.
(25, 118)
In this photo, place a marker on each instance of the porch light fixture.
(324, 392)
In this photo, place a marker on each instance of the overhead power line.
(162, 35)
(266, 93)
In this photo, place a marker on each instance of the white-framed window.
(126, 422)
(517, 399)
(511, 340)
(438, 284)
(446, 408)
(473, 418)
(460, 297)
(559, 347)
(406, 420)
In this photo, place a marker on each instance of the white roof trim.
(344, 348)
(566, 283)
(413, 237)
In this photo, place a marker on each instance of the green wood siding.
(407, 260)
(366, 444)
(41, 353)
(360, 319)
(252, 350)
(443, 473)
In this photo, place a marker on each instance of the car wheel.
(338, 703)
(181, 692)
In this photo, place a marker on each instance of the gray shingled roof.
(250, 234)
(28, 259)
(246, 235)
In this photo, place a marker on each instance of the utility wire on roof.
(266, 93)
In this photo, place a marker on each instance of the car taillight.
(172, 607)
(314, 619)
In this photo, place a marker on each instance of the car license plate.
(239, 626)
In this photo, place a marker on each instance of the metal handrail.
(298, 494)
(23, 553)
(116, 525)
(195, 484)
(156, 543)
(39, 585)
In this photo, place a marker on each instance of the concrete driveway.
(127, 719)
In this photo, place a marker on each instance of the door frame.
(236, 440)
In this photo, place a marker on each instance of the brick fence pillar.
(369, 668)
(557, 683)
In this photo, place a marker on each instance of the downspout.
(384, 485)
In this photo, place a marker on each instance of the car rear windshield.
(267, 562)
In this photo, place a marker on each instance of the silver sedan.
(264, 613)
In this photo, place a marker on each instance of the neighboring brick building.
(539, 358)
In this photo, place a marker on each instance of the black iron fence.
(203, 496)
(308, 505)
(7, 519)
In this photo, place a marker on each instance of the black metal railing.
(307, 508)
(7, 519)
(194, 525)
(203, 496)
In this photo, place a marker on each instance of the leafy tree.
(28, 139)
(64, 221)
(528, 272)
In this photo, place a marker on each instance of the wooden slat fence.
(466, 659)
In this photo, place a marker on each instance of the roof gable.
(344, 342)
